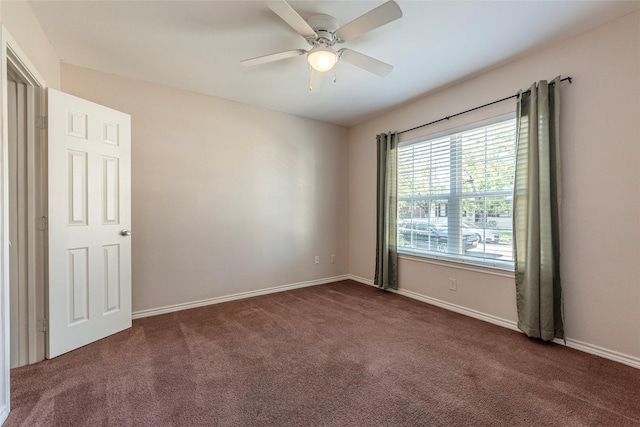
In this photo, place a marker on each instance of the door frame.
(11, 56)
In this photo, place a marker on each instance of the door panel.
(89, 206)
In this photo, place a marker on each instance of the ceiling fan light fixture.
(322, 58)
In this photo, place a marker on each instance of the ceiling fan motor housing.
(324, 26)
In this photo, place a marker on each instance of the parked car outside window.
(421, 233)
(484, 235)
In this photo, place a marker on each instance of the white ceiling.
(198, 46)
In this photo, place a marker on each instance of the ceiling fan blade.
(273, 57)
(381, 15)
(291, 17)
(365, 62)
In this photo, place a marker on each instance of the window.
(455, 193)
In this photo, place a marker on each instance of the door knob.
(125, 232)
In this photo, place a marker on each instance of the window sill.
(506, 270)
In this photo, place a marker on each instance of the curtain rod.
(473, 109)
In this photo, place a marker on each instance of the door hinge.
(43, 224)
(42, 324)
(41, 122)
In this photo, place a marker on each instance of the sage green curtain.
(536, 226)
(386, 212)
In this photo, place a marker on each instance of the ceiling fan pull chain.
(335, 73)
(310, 71)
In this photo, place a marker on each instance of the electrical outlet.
(453, 284)
(317, 259)
(333, 259)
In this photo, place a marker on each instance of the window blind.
(455, 194)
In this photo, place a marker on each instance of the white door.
(89, 222)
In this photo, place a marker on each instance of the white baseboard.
(4, 414)
(602, 352)
(241, 295)
(509, 324)
(578, 345)
(447, 305)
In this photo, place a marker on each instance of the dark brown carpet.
(342, 354)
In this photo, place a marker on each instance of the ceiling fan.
(322, 32)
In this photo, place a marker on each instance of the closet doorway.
(26, 208)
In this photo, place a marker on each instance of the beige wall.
(226, 198)
(600, 213)
(19, 20)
